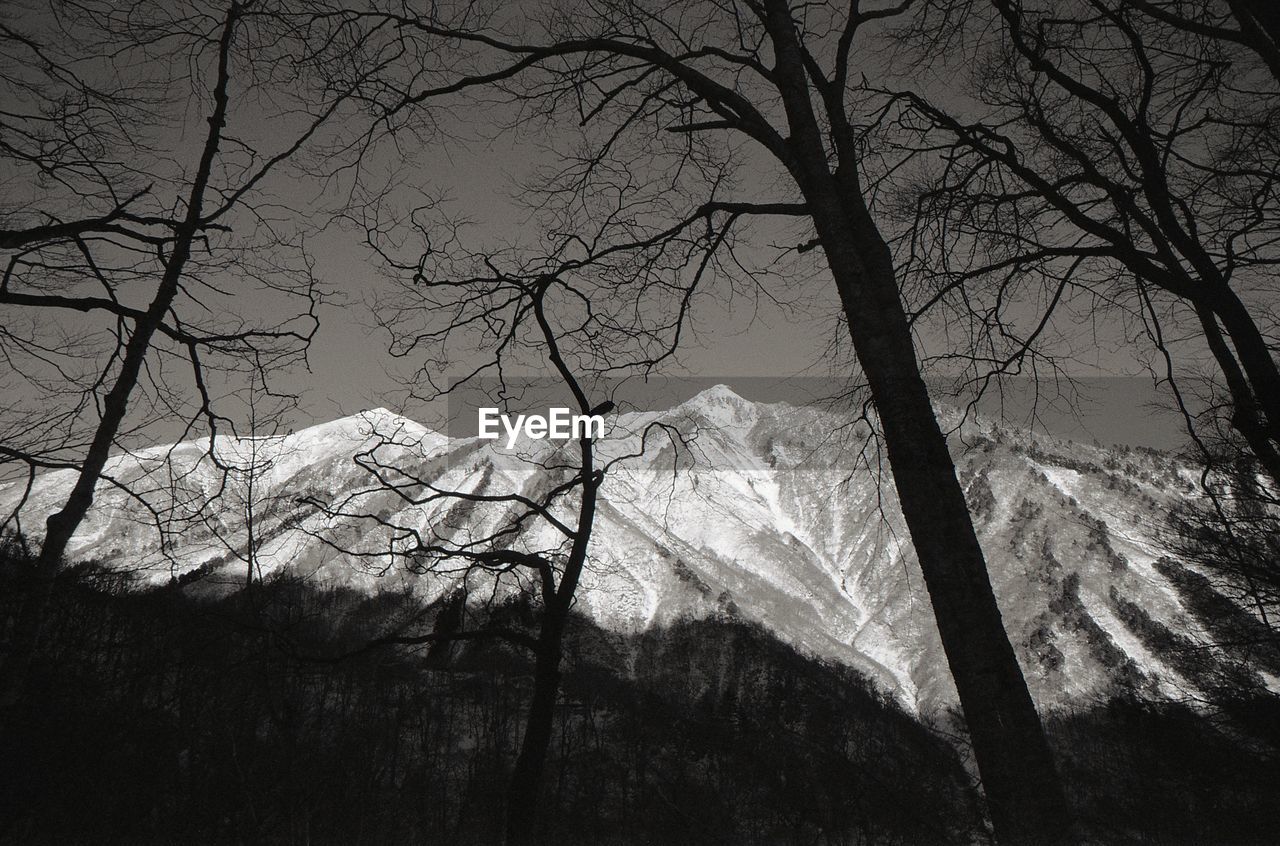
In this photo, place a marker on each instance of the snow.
(819, 554)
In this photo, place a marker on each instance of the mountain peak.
(767, 515)
(720, 406)
(379, 415)
(717, 394)
(369, 424)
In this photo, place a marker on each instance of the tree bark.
(524, 793)
(1019, 778)
(1260, 430)
(1255, 358)
(1024, 794)
(61, 525)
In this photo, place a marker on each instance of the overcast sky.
(753, 345)
(748, 343)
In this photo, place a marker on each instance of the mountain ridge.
(781, 515)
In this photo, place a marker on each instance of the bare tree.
(167, 231)
(533, 541)
(581, 311)
(1112, 157)
(244, 498)
(1251, 23)
(776, 84)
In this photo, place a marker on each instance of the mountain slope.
(778, 514)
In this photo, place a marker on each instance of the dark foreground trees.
(494, 534)
(1118, 156)
(133, 246)
(694, 89)
(157, 717)
(202, 731)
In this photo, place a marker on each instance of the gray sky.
(746, 343)
(753, 346)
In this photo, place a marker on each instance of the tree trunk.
(1255, 358)
(524, 793)
(1024, 795)
(1260, 430)
(61, 525)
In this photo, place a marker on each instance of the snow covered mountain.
(771, 512)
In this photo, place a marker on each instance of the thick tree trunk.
(1257, 364)
(524, 793)
(1259, 428)
(1260, 22)
(1024, 795)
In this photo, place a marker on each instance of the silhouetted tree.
(439, 314)
(122, 278)
(1114, 163)
(1109, 156)
(669, 100)
(1233, 533)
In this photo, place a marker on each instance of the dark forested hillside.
(157, 717)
